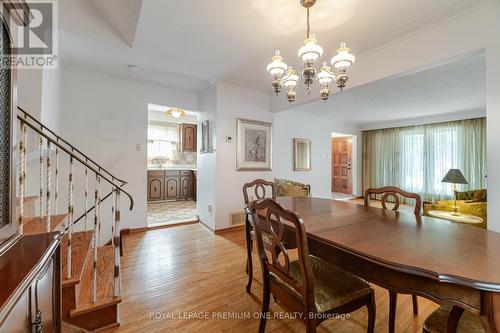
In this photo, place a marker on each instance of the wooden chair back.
(259, 189)
(394, 192)
(278, 264)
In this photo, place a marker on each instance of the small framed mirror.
(301, 155)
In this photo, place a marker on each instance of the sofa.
(468, 202)
(289, 188)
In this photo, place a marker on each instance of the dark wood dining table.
(446, 262)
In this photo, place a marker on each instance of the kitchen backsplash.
(180, 158)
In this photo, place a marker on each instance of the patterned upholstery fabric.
(468, 195)
(476, 207)
(289, 188)
(436, 322)
(333, 286)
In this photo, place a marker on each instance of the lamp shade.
(454, 176)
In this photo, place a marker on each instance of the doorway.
(171, 166)
(342, 166)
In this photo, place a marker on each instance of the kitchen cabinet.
(171, 185)
(155, 185)
(186, 184)
(188, 137)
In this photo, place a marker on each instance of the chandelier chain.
(308, 25)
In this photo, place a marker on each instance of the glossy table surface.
(425, 246)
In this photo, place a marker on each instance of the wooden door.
(155, 188)
(342, 165)
(172, 188)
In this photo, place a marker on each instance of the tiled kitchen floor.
(171, 212)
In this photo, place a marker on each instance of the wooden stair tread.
(105, 283)
(38, 225)
(81, 243)
(30, 199)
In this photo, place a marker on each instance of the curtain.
(416, 158)
(163, 139)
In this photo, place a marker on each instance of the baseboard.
(207, 227)
(229, 229)
(171, 225)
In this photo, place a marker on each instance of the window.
(163, 141)
(416, 158)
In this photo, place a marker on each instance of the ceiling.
(190, 44)
(455, 86)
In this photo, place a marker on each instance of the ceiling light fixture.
(310, 53)
(176, 113)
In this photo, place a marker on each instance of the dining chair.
(255, 190)
(461, 321)
(308, 286)
(394, 193)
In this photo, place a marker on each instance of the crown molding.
(428, 22)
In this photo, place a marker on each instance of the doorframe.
(355, 176)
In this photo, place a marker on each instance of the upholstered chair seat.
(333, 287)
(436, 322)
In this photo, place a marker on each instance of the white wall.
(493, 118)
(206, 180)
(29, 91)
(295, 124)
(106, 117)
(234, 102)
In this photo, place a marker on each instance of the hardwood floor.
(186, 270)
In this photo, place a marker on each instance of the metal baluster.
(40, 150)
(116, 237)
(113, 214)
(48, 208)
(86, 195)
(70, 212)
(100, 215)
(96, 231)
(22, 175)
(56, 185)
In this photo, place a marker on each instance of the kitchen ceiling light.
(176, 113)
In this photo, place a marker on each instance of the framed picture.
(205, 137)
(253, 145)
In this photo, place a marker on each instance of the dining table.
(446, 262)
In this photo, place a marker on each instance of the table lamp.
(455, 176)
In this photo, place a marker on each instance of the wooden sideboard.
(171, 185)
(30, 279)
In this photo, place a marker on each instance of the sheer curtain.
(163, 140)
(416, 158)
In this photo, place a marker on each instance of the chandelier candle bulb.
(311, 51)
(277, 68)
(343, 59)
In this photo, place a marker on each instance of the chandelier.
(287, 77)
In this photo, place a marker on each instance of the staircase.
(91, 291)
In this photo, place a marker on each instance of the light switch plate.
(229, 139)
